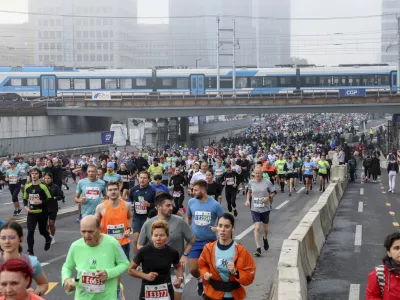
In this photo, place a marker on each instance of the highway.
(366, 214)
(288, 211)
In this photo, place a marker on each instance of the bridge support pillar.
(162, 133)
(150, 134)
(173, 128)
(184, 126)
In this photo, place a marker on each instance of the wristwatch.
(185, 254)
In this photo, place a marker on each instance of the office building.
(16, 45)
(389, 37)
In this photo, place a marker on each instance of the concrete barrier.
(300, 252)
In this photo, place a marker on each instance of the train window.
(95, 84)
(51, 83)
(368, 80)
(16, 81)
(194, 83)
(241, 82)
(382, 79)
(111, 83)
(271, 81)
(308, 81)
(286, 81)
(141, 82)
(79, 84)
(125, 83)
(354, 80)
(64, 84)
(182, 83)
(32, 82)
(166, 82)
(256, 82)
(226, 83)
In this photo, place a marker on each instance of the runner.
(230, 181)
(178, 182)
(125, 176)
(226, 266)
(97, 278)
(280, 165)
(213, 189)
(260, 195)
(36, 197)
(200, 175)
(156, 260)
(52, 206)
(158, 185)
(89, 193)
(290, 171)
(323, 167)
(308, 170)
(142, 200)
(202, 213)
(13, 176)
(180, 233)
(111, 175)
(155, 168)
(23, 167)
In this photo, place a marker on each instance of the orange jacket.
(244, 263)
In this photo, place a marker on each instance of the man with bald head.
(98, 259)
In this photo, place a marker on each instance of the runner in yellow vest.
(323, 167)
(280, 167)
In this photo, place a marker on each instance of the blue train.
(18, 83)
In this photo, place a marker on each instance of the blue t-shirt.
(161, 187)
(114, 177)
(166, 168)
(13, 176)
(308, 168)
(222, 257)
(204, 215)
(138, 195)
(93, 191)
(23, 168)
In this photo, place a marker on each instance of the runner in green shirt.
(323, 167)
(98, 259)
(280, 167)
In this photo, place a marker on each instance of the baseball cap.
(110, 164)
(11, 162)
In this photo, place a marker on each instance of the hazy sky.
(321, 42)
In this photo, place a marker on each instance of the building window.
(79, 46)
(52, 46)
(105, 57)
(85, 34)
(92, 57)
(46, 46)
(86, 57)
(92, 46)
(111, 57)
(59, 35)
(59, 58)
(105, 34)
(59, 46)
(46, 58)
(40, 46)
(85, 22)
(79, 84)
(99, 57)
(79, 34)
(98, 34)
(98, 22)
(45, 22)
(95, 84)
(111, 33)
(86, 46)
(98, 45)
(92, 22)
(40, 57)
(105, 46)
(111, 45)
(58, 22)
(105, 22)
(32, 81)
(78, 22)
(111, 83)
(46, 34)
(92, 34)
(52, 23)
(79, 57)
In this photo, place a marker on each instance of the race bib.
(258, 202)
(218, 172)
(139, 207)
(202, 218)
(159, 292)
(116, 231)
(176, 194)
(92, 193)
(124, 178)
(12, 179)
(230, 181)
(33, 198)
(91, 283)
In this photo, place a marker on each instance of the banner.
(101, 95)
(107, 137)
(352, 93)
(190, 151)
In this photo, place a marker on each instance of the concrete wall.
(29, 126)
(207, 127)
(52, 143)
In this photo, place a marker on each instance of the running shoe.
(290, 194)
(79, 219)
(266, 245)
(307, 192)
(53, 240)
(235, 213)
(19, 211)
(258, 252)
(30, 253)
(15, 213)
(200, 287)
(47, 245)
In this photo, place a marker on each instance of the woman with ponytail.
(11, 237)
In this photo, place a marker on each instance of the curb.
(62, 213)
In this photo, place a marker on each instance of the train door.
(197, 84)
(393, 81)
(48, 86)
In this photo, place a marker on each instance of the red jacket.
(391, 290)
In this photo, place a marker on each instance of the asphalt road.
(366, 214)
(288, 211)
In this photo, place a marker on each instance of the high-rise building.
(260, 41)
(80, 37)
(389, 46)
(16, 46)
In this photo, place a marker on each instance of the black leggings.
(230, 195)
(14, 190)
(31, 222)
(374, 177)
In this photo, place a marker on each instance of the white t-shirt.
(198, 176)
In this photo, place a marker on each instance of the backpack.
(380, 276)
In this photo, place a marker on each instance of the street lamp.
(197, 59)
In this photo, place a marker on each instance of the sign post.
(107, 137)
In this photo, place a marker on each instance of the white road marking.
(354, 293)
(44, 264)
(283, 204)
(361, 191)
(54, 259)
(243, 234)
(358, 236)
(299, 191)
(360, 206)
(188, 278)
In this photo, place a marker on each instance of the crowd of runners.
(157, 213)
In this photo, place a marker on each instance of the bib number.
(176, 194)
(92, 193)
(91, 283)
(116, 231)
(12, 179)
(258, 203)
(218, 172)
(124, 178)
(230, 181)
(159, 292)
(139, 207)
(33, 198)
(202, 218)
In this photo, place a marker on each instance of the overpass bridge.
(164, 106)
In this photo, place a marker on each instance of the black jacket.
(393, 166)
(56, 195)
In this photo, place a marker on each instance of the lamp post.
(197, 59)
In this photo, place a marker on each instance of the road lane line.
(354, 293)
(283, 204)
(360, 206)
(299, 191)
(361, 191)
(358, 236)
(243, 234)
(44, 264)
(52, 285)
(188, 278)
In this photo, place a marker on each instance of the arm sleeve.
(186, 230)
(246, 268)
(69, 265)
(204, 264)
(138, 259)
(373, 291)
(47, 192)
(188, 211)
(143, 235)
(121, 261)
(176, 257)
